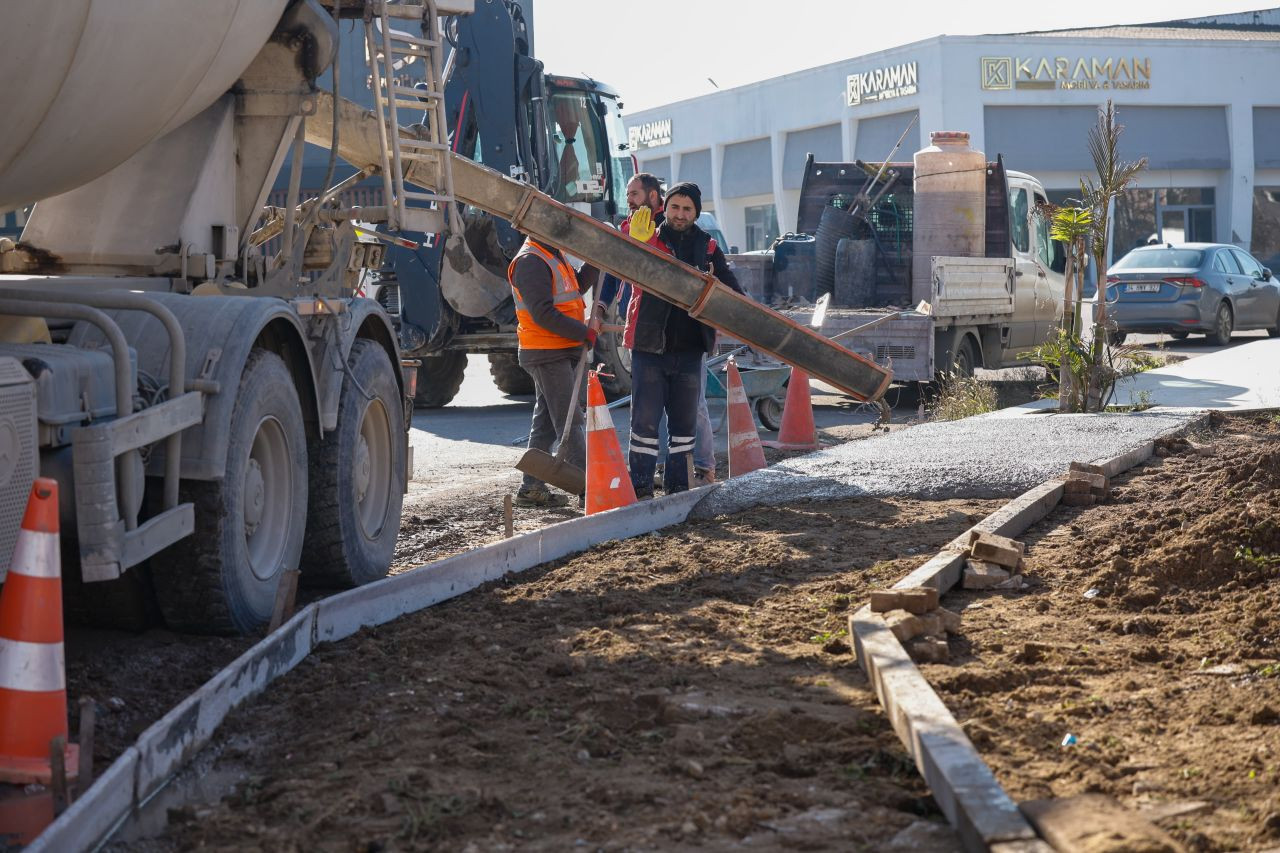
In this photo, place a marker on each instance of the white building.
(1199, 98)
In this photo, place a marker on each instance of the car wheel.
(1179, 336)
(1221, 333)
(1274, 331)
(1116, 338)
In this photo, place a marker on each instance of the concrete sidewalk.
(1007, 452)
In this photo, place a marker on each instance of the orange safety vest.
(564, 293)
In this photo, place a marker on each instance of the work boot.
(703, 477)
(540, 496)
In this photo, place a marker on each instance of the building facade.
(1198, 98)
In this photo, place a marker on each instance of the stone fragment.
(950, 620)
(997, 549)
(1086, 468)
(918, 599)
(904, 625)
(1078, 500)
(1076, 487)
(929, 651)
(1095, 481)
(982, 575)
(1014, 582)
(884, 600)
(932, 623)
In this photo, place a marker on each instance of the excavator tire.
(222, 578)
(357, 477)
(508, 375)
(439, 379)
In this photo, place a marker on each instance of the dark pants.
(553, 387)
(670, 383)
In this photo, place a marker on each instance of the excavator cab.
(588, 159)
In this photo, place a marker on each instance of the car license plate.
(1152, 287)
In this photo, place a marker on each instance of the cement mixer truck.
(191, 365)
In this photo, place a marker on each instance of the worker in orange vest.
(552, 328)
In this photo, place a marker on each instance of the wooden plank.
(1091, 823)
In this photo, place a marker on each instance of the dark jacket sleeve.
(532, 278)
(588, 276)
(720, 269)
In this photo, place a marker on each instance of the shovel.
(554, 469)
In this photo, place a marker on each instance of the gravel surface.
(978, 457)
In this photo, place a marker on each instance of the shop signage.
(1066, 73)
(881, 84)
(651, 134)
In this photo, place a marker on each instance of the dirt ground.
(1151, 634)
(690, 688)
(135, 678)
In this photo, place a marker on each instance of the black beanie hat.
(688, 189)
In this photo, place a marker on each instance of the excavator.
(563, 135)
(193, 367)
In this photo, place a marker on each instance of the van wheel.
(1222, 322)
(357, 477)
(249, 525)
(965, 360)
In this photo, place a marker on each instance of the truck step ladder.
(388, 50)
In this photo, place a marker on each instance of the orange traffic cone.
(745, 452)
(608, 481)
(33, 683)
(798, 431)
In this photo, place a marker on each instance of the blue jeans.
(666, 383)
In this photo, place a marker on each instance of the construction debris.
(914, 617)
(995, 562)
(1086, 485)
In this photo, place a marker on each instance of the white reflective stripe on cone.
(34, 667)
(737, 394)
(598, 417)
(36, 555)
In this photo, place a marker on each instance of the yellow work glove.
(642, 226)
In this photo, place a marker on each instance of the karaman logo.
(893, 81)
(1065, 73)
(651, 134)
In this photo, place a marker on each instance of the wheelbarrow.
(763, 384)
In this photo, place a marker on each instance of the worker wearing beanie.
(668, 347)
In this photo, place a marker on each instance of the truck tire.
(966, 358)
(249, 525)
(508, 375)
(357, 477)
(439, 379)
(615, 357)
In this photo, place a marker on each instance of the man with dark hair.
(668, 347)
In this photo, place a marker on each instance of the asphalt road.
(467, 444)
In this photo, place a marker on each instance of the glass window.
(762, 226)
(1247, 264)
(1135, 221)
(1266, 226)
(1044, 248)
(578, 148)
(1148, 259)
(1019, 224)
(1223, 262)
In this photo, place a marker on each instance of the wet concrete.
(981, 457)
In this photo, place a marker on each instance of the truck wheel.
(508, 375)
(1222, 322)
(439, 379)
(249, 525)
(965, 361)
(615, 357)
(357, 477)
